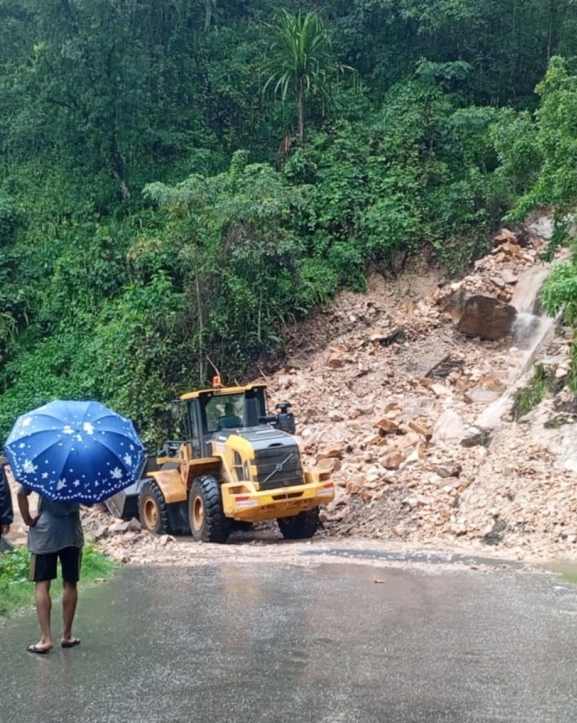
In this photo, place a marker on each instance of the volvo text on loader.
(238, 464)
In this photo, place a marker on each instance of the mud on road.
(127, 543)
(265, 546)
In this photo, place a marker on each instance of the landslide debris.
(415, 417)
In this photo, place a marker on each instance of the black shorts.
(44, 567)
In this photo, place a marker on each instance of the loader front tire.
(205, 513)
(301, 526)
(153, 510)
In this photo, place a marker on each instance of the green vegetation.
(301, 61)
(17, 592)
(179, 180)
(569, 577)
(542, 384)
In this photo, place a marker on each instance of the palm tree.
(300, 60)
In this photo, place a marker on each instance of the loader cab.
(208, 412)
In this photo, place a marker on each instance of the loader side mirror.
(285, 419)
(268, 419)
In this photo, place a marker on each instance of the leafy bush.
(16, 591)
(542, 384)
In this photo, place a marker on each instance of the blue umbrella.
(75, 451)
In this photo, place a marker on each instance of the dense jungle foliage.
(179, 179)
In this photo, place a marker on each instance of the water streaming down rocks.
(525, 328)
(527, 288)
(529, 330)
(531, 324)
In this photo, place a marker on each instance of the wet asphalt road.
(279, 643)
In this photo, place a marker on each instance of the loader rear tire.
(301, 526)
(205, 513)
(153, 510)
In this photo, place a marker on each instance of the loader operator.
(230, 420)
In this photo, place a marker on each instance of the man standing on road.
(55, 533)
(6, 513)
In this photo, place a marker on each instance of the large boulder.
(486, 317)
(449, 429)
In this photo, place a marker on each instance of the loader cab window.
(224, 412)
(230, 411)
(179, 414)
(193, 428)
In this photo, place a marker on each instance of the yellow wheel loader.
(238, 465)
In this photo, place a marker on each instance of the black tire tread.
(151, 489)
(216, 526)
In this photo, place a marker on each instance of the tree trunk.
(209, 7)
(550, 33)
(200, 330)
(300, 108)
(557, 16)
(118, 168)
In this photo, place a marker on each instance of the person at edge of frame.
(6, 511)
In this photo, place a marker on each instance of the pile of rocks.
(409, 406)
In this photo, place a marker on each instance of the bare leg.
(69, 601)
(43, 610)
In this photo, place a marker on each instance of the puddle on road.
(434, 558)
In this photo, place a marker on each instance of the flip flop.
(70, 643)
(39, 651)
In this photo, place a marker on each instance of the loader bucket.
(124, 504)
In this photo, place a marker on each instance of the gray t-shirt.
(59, 526)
